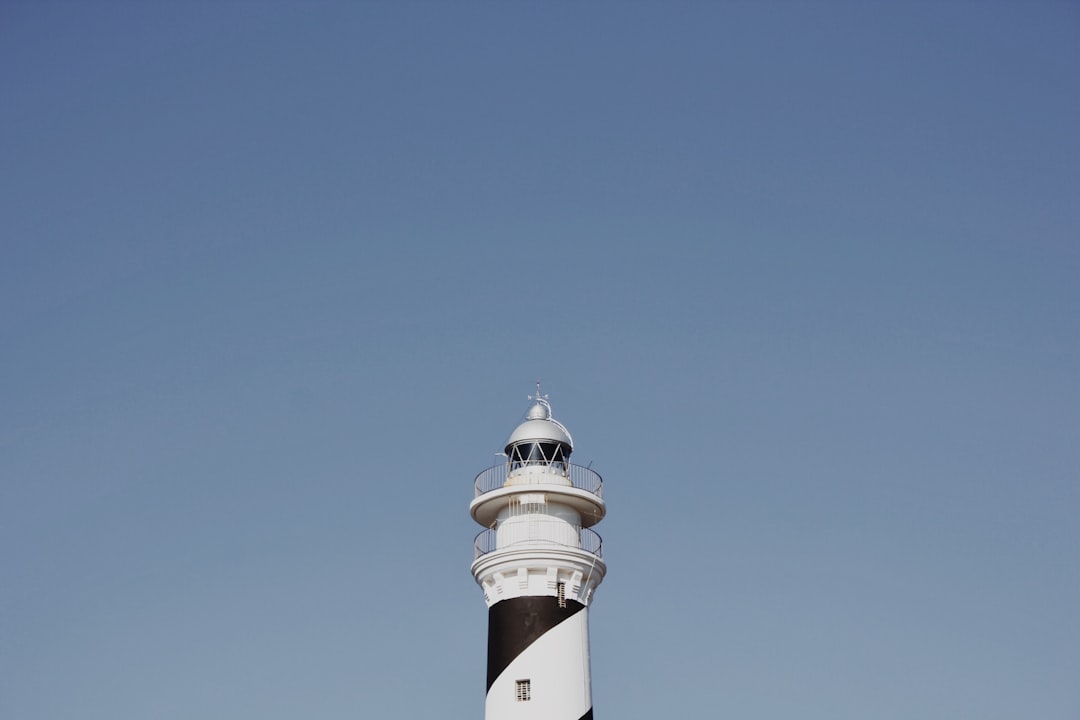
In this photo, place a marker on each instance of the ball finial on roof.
(538, 411)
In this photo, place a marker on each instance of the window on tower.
(523, 690)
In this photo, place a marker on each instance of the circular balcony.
(573, 486)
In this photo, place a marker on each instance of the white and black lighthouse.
(539, 564)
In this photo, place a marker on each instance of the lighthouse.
(539, 563)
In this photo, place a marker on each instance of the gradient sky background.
(803, 280)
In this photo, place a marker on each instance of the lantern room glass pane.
(539, 453)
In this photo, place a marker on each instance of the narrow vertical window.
(523, 688)
(560, 592)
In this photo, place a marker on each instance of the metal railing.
(486, 542)
(579, 476)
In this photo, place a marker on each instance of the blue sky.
(800, 278)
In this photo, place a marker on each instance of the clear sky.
(803, 279)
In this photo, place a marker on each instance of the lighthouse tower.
(539, 565)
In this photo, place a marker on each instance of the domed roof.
(539, 426)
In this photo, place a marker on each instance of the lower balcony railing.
(538, 534)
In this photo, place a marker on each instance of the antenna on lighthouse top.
(542, 409)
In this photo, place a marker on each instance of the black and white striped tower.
(539, 565)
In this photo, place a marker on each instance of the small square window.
(523, 688)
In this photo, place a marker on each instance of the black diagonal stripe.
(588, 715)
(515, 624)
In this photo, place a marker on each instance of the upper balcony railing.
(580, 477)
